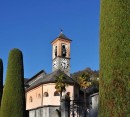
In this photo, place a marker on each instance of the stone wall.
(46, 111)
(94, 99)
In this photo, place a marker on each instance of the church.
(42, 98)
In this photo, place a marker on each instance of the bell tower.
(61, 53)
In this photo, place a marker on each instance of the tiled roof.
(62, 36)
(42, 71)
(50, 78)
(25, 79)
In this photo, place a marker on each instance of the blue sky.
(31, 25)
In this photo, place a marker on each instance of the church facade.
(42, 98)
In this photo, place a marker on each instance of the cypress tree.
(1, 79)
(114, 92)
(13, 100)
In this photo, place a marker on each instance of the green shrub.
(114, 88)
(1, 79)
(13, 100)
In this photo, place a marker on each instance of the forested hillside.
(92, 73)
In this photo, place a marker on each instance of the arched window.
(56, 93)
(30, 99)
(68, 94)
(39, 95)
(45, 94)
(63, 51)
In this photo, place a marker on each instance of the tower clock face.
(55, 64)
(64, 63)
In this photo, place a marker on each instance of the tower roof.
(62, 36)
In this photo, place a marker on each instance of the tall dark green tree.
(1, 79)
(114, 59)
(13, 100)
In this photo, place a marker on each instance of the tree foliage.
(84, 81)
(1, 79)
(60, 84)
(13, 100)
(93, 77)
(114, 88)
(89, 71)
